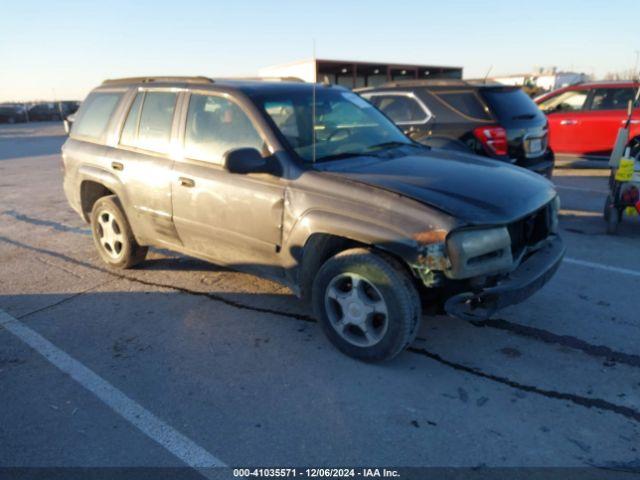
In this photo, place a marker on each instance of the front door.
(233, 219)
(565, 113)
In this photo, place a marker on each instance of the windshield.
(345, 124)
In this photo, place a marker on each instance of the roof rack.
(263, 79)
(165, 79)
(434, 81)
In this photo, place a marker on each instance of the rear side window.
(154, 130)
(611, 98)
(465, 103)
(402, 109)
(148, 123)
(130, 129)
(93, 117)
(216, 125)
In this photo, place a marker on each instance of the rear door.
(233, 219)
(605, 114)
(565, 112)
(143, 161)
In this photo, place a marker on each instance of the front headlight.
(479, 252)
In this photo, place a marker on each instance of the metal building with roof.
(354, 74)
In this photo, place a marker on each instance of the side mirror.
(244, 160)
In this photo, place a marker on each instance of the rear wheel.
(112, 234)
(367, 304)
(612, 215)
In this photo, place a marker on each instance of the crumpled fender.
(337, 224)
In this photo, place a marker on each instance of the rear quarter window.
(465, 103)
(401, 108)
(94, 115)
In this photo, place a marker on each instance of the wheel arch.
(94, 184)
(320, 235)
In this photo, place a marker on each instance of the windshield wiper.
(384, 145)
(339, 156)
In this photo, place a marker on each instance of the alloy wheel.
(110, 234)
(356, 309)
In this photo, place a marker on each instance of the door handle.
(117, 166)
(633, 122)
(186, 182)
(568, 122)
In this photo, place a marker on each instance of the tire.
(358, 290)
(612, 216)
(112, 235)
(634, 148)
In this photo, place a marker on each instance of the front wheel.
(367, 304)
(112, 234)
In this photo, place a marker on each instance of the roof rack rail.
(266, 79)
(430, 81)
(163, 79)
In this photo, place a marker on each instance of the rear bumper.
(519, 285)
(543, 164)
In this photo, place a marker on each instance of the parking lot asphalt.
(178, 361)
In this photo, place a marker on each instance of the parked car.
(584, 119)
(68, 107)
(44, 112)
(489, 119)
(12, 113)
(343, 208)
(48, 111)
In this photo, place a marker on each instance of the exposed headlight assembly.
(479, 252)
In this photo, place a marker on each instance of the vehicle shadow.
(592, 223)
(21, 147)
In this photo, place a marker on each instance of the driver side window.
(571, 101)
(216, 125)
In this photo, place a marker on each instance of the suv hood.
(471, 188)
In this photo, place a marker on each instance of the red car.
(584, 119)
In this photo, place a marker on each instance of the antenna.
(313, 104)
(487, 74)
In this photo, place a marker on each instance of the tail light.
(493, 139)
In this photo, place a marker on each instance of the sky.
(61, 49)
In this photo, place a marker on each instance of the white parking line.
(580, 189)
(154, 428)
(584, 263)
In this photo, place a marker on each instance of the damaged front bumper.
(528, 278)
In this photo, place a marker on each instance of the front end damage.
(484, 269)
(530, 276)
